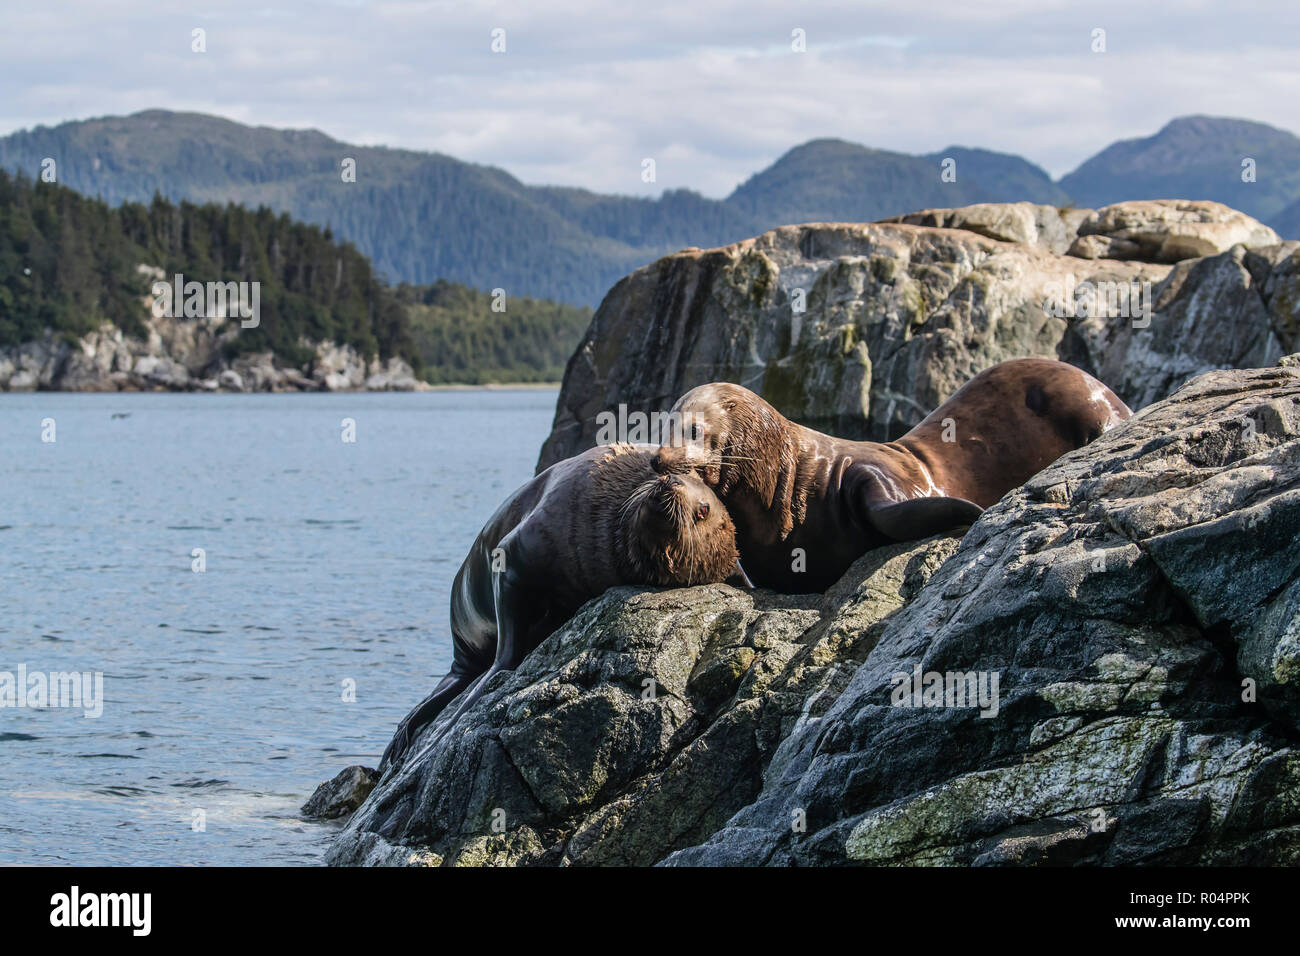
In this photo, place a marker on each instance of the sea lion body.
(582, 526)
(789, 487)
(1010, 422)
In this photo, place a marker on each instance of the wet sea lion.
(584, 525)
(790, 487)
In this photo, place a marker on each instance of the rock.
(1104, 247)
(638, 728)
(259, 372)
(187, 354)
(1031, 224)
(861, 330)
(35, 364)
(1169, 230)
(341, 795)
(97, 363)
(1237, 309)
(191, 343)
(394, 375)
(161, 371)
(147, 365)
(23, 380)
(296, 379)
(1140, 601)
(338, 368)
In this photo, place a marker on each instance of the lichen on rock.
(638, 728)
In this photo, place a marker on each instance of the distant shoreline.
(424, 387)
(492, 386)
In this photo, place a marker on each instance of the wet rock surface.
(341, 795)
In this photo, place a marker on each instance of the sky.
(713, 92)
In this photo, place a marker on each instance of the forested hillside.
(461, 339)
(68, 263)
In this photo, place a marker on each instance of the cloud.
(713, 92)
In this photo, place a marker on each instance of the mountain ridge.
(425, 216)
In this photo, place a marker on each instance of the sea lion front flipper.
(918, 518)
(516, 617)
(448, 689)
(739, 579)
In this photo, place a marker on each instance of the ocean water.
(226, 692)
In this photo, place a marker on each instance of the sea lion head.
(676, 533)
(735, 440)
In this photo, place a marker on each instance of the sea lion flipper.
(739, 579)
(514, 604)
(918, 518)
(424, 713)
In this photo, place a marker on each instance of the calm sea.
(226, 692)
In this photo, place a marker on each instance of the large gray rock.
(863, 329)
(1237, 309)
(1140, 603)
(637, 729)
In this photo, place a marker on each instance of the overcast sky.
(710, 89)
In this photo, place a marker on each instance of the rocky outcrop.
(186, 354)
(1157, 230)
(1033, 224)
(1140, 600)
(1127, 626)
(341, 795)
(1167, 230)
(638, 728)
(861, 329)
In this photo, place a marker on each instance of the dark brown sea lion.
(584, 525)
(789, 487)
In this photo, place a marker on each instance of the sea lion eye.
(696, 433)
(701, 511)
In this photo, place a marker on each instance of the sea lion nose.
(669, 484)
(667, 461)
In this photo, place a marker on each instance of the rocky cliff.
(1104, 669)
(185, 354)
(861, 329)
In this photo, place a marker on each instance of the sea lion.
(790, 487)
(584, 525)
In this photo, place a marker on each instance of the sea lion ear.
(918, 518)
